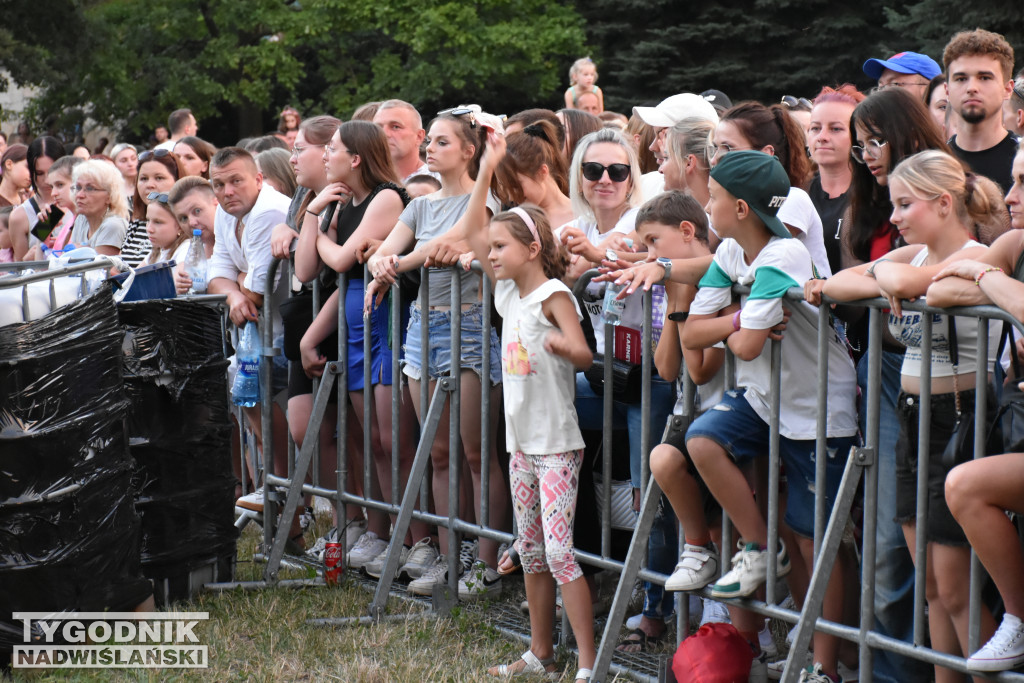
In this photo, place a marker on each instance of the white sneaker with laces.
(749, 571)
(421, 558)
(366, 548)
(479, 582)
(375, 567)
(251, 501)
(1005, 650)
(468, 551)
(353, 531)
(317, 551)
(697, 567)
(436, 575)
(814, 674)
(715, 613)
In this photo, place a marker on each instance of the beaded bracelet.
(990, 269)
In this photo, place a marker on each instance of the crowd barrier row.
(410, 502)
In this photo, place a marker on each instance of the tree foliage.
(141, 59)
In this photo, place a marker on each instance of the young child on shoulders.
(542, 343)
(747, 188)
(583, 79)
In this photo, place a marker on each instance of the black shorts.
(942, 527)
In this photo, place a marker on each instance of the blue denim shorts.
(439, 355)
(733, 425)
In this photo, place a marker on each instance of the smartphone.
(43, 229)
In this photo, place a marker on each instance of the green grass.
(262, 635)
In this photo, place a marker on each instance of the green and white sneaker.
(749, 571)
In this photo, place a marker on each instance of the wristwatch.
(667, 265)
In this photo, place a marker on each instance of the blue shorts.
(380, 349)
(733, 425)
(439, 355)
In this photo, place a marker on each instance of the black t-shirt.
(993, 163)
(831, 210)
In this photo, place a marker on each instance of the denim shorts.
(733, 425)
(439, 355)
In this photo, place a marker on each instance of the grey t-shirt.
(110, 233)
(432, 216)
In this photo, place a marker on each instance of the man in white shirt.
(403, 127)
(247, 211)
(181, 123)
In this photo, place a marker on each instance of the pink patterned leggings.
(544, 491)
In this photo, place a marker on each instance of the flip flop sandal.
(517, 562)
(535, 666)
(638, 637)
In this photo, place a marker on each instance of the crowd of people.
(908, 191)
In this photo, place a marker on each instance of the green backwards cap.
(758, 179)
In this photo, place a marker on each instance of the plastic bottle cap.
(197, 232)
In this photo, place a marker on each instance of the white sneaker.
(479, 582)
(366, 548)
(776, 668)
(353, 532)
(1005, 650)
(421, 557)
(697, 567)
(375, 567)
(715, 613)
(317, 551)
(847, 674)
(437, 575)
(813, 674)
(767, 642)
(251, 501)
(749, 571)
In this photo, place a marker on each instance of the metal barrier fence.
(828, 529)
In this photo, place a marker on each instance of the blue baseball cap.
(904, 63)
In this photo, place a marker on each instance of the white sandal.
(534, 666)
(585, 674)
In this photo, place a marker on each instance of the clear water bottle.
(245, 391)
(612, 308)
(195, 263)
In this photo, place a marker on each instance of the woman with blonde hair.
(102, 208)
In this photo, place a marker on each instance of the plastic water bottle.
(195, 263)
(245, 391)
(612, 308)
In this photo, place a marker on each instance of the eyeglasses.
(161, 197)
(153, 154)
(88, 189)
(296, 150)
(460, 111)
(902, 84)
(1018, 88)
(795, 102)
(872, 148)
(713, 151)
(594, 171)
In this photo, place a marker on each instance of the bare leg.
(540, 594)
(576, 602)
(729, 487)
(670, 470)
(826, 647)
(438, 457)
(470, 428)
(406, 452)
(952, 569)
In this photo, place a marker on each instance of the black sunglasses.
(161, 197)
(153, 154)
(460, 111)
(593, 171)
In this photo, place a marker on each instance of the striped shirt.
(136, 243)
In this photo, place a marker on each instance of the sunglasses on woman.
(617, 173)
(161, 197)
(153, 154)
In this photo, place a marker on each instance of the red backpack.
(716, 653)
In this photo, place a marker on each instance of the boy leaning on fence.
(747, 188)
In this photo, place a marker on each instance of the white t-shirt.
(539, 386)
(798, 211)
(651, 185)
(166, 144)
(253, 255)
(782, 264)
(178, 254)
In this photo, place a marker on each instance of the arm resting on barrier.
(955, 284)
(705, 330)
(383, 264)
(240, 307)
(381, 215)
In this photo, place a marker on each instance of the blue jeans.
(894, 568)
(662, 555)
(590, 409)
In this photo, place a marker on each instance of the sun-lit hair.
(107, 177)
(846, 93)
(689, 136)
(188, 184)
(574, 70)
(979, 43)
(637, 129)
(930, 174)
(580, 205)
(763, 126)
(318, 130)
(553, 255)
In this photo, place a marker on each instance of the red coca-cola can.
(332, 563)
